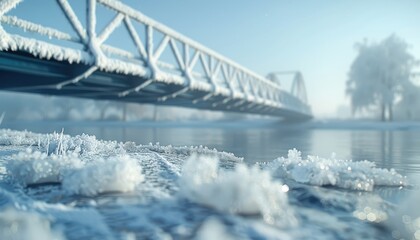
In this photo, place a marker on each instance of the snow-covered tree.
(378, 75)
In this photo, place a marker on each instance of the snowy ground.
(56, 186)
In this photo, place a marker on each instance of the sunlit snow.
(320, 171)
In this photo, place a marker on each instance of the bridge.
(164, 67)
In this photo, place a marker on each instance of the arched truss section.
(297, 89)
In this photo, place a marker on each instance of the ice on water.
(314, 170)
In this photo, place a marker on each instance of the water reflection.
(389, 149)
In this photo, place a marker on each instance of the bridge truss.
(165, 68)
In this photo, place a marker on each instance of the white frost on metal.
(118, 66)
(94, 44)
(201, 86)
(74, 20)
(29, 26)
(78, 78)
(110, 28)
(169, 78)
(7, 5)
(47, 51)
(238, 83)
(5, 41)
(117, 51)
(120, 7)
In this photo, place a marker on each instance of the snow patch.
(248, 191)
(202, 150)
(34, 167)
(347, 174)
(119, 174)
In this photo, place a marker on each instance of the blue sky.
(316, 37)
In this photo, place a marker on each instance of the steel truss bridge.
(164, 67)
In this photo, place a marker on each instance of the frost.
(24, 225)
(29, 26)
(244, 190)
(319, 171)
(120, 174)
(46, 50)
(213, 229)
(7, 5)
(35, 167)
(189, 151)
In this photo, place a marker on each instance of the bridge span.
(165, 67)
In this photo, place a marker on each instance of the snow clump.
(117, 174)
(347, 174)
(33, 167)
(246, 191)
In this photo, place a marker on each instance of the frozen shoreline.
(188, 189)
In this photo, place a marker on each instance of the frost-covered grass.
(314, 170)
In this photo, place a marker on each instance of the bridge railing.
(218, 76)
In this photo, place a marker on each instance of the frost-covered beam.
(7, 5)
(117, 51)
(120, 7)
(178, 57)
(151, 61)
(135, 37)
(161, 47)
(173, 95)
(194, 59)
(205, 65)
(73, 19)
(78, 78)
(36, 28)
(217, 68)
(227, 77)
(110, 28)
(94, 45)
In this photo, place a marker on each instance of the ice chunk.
(118, 174)
(242, 191)
(347, 174)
